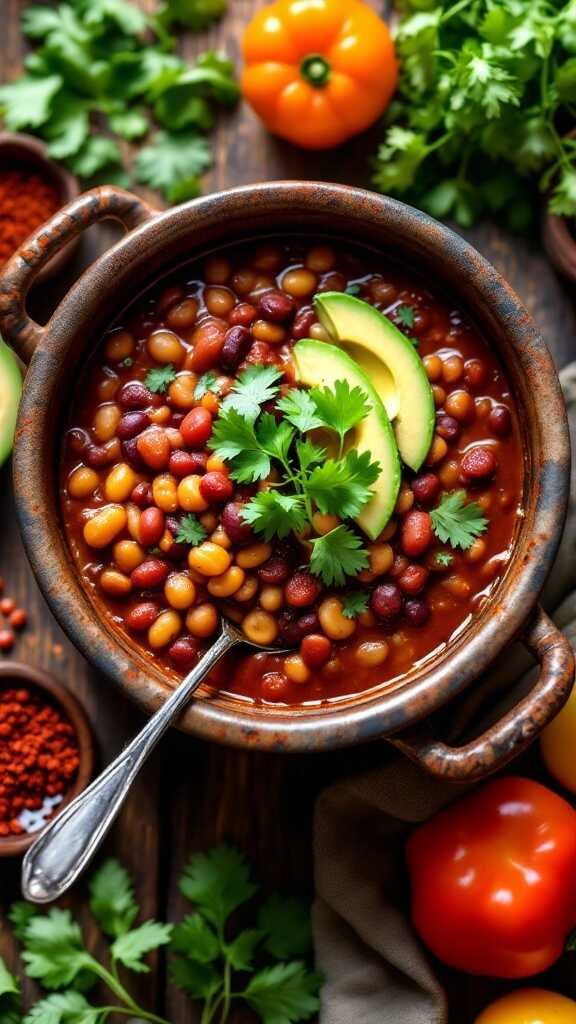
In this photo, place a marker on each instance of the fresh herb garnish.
(207, 382)
(444, 559)
(252, 388)
(274, 514)
(194, 14)
(159, 379)
(190, 531)
(456, 523)
(338, 554)
(354, 602)
(128, 362)
(353, 289)
(340, 408)
(406, 315)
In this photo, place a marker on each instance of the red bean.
(399, 565)
(275, 571)
(386, 601)
(315, 650)
(417, 611)
(474, 373)
(141, 617)
(142, 495)
(184, 652)
(18, 618)
(308, 623)
(303, 322)
(302, 590)
(500, 421)
(242, 315)
(413, 579)
(426, 488)
(260, 353)
(276, 306)
(274, 686)
(207, 340)
(131, 424)
(152, 524)
(216, 487)
(135, 396)
(448, 428)
(235, 348)
(96, 456)
(130, 453)
(187, 463)
(150, 574)
(77, 440)
(239, 531)
(196, 427)
(417, 533)
(288, 628)
(154, 448)
(478, 464)
(7, 639)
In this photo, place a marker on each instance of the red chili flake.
(26, 201)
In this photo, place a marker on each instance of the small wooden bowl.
(14, 846)
(18, 150)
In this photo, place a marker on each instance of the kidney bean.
(399, 565)
(417, 611)
(77, 439)
(478, 464)
(152, 523)
(275, 571)
(235, 348)
(303, 322)
(315, 650)
(149, 574)
(196, 427)
(475, 373)
(417, 533)
(426, 488)
(184, 652)
(276, 306)
(142, 495)
(141, 617)
(135, 396)
(386, 601)
(307, 624)
(448, 428)
(96, 456)
(207, 341)
(288, 628)
(239, 531)
(131, 455)
(259, 353)
(154, 448)
(413, 579)
(216, 487)
(242, 315)
(302, 590)
(131, 424)
(274, 686)
(187, 463)
(500, 421)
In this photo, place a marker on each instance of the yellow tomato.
(530, 1006)
(558, 744)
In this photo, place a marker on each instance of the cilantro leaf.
(130, 947)
(26, 103)
(194, 937)
(241, 951)
(63, 1008)
(9, 996)
(342, 486)
(406, 315)
(218, 882)
(68, 127)
(284, 994)
(252, 388)
(341, 407)
(160, 378)
(97, 153)
(273, 514)
(130, 124)
(112, 898)
(200, 981)
(286, 924)
(234, 440)
(299, 409)
(173, 163)
(20, 915)
(338, 554)
(353, 288)
(354, 602)
(190, 530)
(207, 382)
(195, 14)
(38, 21)
(456, 523)
(275, 438)
(54, 952)
(185, 102)
(309, 454)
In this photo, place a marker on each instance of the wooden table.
(194, 794)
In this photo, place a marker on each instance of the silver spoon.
(67, 845)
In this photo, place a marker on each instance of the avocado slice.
(10, 389)
(372, 339)
(321, 364)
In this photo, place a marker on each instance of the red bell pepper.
(494, 879)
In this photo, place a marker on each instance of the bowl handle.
(108, 202)
(515, 731)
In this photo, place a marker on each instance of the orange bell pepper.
(318, 71)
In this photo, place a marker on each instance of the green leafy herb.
(286, 926)
(173, 164)
(130, 947)
(341, 407)
(342, 487)
(444, 559)
(252, 388)
(218, 882)
(9, 997)
(207, 382)
(338, 554)
(159, 379)
(353, 289)
(128, 362)
(406, 315)
(190, 531)
(112, 899)
(456, 523)
(299, 408)
(64, 1008)
(283, 993)
(234, 440)
(274, 514)
(194, 14)
(354, 602)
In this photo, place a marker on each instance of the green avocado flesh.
(392, 364)
(10, 388)
(319, 364)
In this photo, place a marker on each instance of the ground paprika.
(26, 201)
(39, 754)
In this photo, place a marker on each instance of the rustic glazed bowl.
(155, 244)
(13, 673)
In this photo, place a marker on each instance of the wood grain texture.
(193, 794)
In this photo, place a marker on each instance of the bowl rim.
(373, 714)
(13, 846)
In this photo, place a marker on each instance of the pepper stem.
(315, 69)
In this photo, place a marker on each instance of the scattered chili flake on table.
(26, 201)
(17, 617)
(38, 756)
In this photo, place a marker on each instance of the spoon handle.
(67, 845)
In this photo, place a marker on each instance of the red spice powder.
(38, 754)
(26, 201)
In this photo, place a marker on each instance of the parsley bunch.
(259, 447)
(101, 74)
(486, 99)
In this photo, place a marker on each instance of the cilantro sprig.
(160, 378)
(457, 522)
(354, 603)
(190, 530)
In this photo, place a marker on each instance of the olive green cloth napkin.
(376, 971)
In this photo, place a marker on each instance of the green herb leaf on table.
(97, 153)
(338, 554)
(354, 602)
(160, 378)
(54, 951)
(112, 899)
(283, 994)
(286, 926)
(130, 947)
(218, 882)
(194, 14)
(9, 996)
(207, 382)
(274, 514)
(199, 980)
(253, 388)
(196, 938)
(64, 1008)
(20, 915)
(26, 102)
(242, 950)
(456, 522)
(190, 530)
(173, 164)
